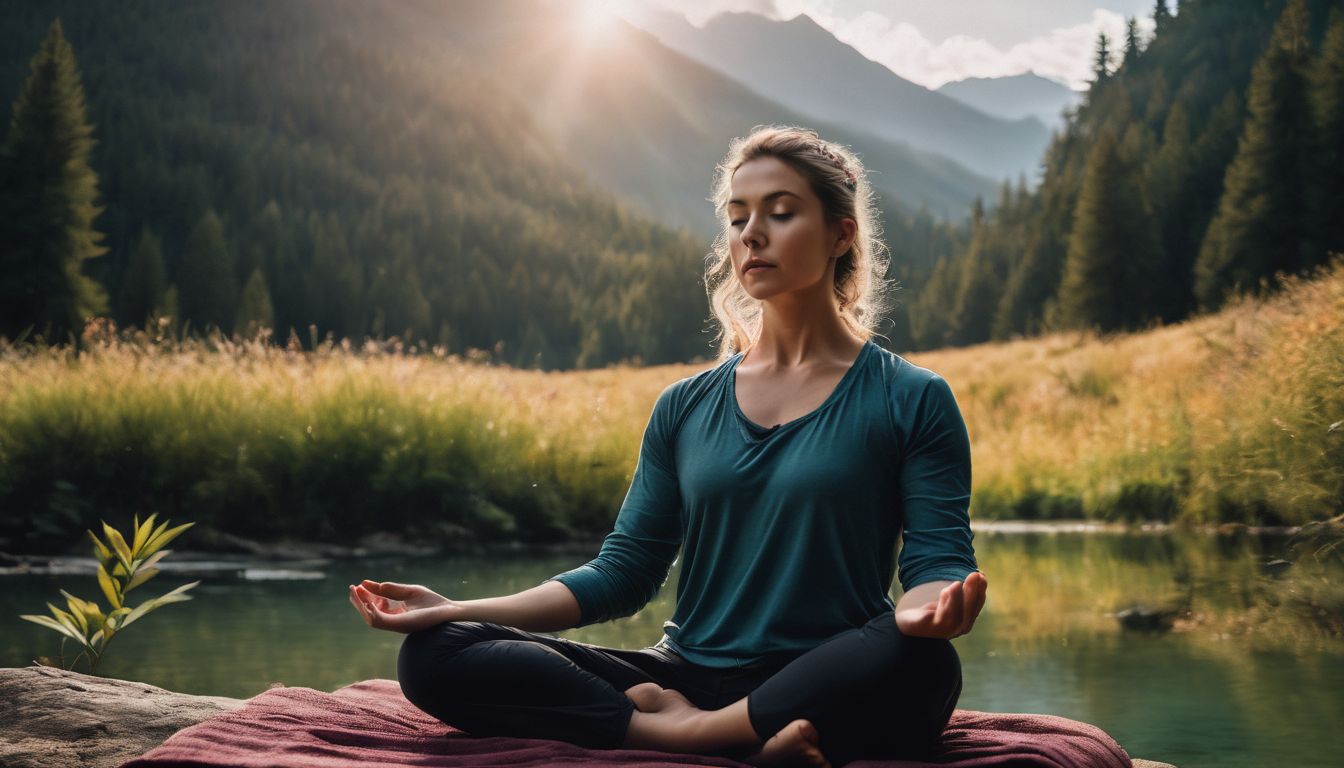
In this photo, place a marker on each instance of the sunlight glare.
(595, 20)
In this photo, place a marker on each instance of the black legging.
(872, 692)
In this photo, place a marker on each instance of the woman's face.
(775, 221)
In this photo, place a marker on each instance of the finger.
(974, 588)
(370, 608)
(374, 599)
(375, 603)
(956, 606)
(390, 589)
(359, 606)
(981, 587)
(940, 618)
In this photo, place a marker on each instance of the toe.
(646, 696)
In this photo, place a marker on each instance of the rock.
(1140, 618)
(1275, 568)
(57, 719)
(53, 718)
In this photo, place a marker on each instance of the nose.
(751, 234)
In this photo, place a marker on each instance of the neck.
(803, 329)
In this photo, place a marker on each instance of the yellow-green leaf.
(77, 613)
(110, 588)
(51, 623)
(100, 551)
(175, 596)
(118, 546)
(97, 640)
(141, 576)
(88, 608)
(155, 558)
(110, 625)
(158, 541)
(142, 531)
(157, 533)
(69, 622)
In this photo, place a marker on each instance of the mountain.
(481, 176)
(838, 84)
(1015, 97)
(1199, 168)
(651, 124)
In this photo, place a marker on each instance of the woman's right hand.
(401, 607)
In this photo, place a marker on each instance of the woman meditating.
(785, 475)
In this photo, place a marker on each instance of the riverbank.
(216, 551)
(1232, 417)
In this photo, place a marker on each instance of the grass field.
(1236, 416)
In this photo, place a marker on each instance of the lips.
(753, 265)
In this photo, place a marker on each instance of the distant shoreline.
(289, 560)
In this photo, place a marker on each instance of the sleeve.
(637, 555)
(935, 478)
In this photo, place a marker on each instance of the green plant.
(121, 568)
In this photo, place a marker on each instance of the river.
(1249, 674)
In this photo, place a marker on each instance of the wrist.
(922, 594)
(453, 610)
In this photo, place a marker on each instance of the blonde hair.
(838, 179)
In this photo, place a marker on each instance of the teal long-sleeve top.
(788, 534)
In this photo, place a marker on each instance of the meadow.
(1236, 416)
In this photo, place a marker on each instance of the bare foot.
(670, 705)
(796, 744)
(646, 696)
(665, 719)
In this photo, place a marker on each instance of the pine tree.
(1328, 197)
(47, 201)
(1114, 255)
(1161, 16)
(1168, 187)
(978, 285)
(1132, 47)
(399, 305)
(142, 283)
(1101, 62)
(1262, 225)
(930, 318)
(254, 308)
(205, 282)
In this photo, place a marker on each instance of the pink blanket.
(371, 723)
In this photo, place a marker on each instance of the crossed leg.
(869, 692)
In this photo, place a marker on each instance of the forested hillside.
(371, 190)
(357, 168)
(1199, 164)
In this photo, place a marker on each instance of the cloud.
(1064, 54)
(699, 11)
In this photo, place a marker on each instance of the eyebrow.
(767, 198)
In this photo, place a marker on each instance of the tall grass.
(1236, 416)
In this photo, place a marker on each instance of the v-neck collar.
(755, 433)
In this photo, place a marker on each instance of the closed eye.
(776, 216)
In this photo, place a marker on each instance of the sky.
(932, 42)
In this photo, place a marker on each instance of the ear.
(846, 232)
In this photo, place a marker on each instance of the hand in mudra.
(951, 615)
(400, 607)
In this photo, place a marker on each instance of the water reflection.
(1247, 676)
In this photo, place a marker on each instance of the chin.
(761, 294)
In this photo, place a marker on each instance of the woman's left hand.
(951, 615)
